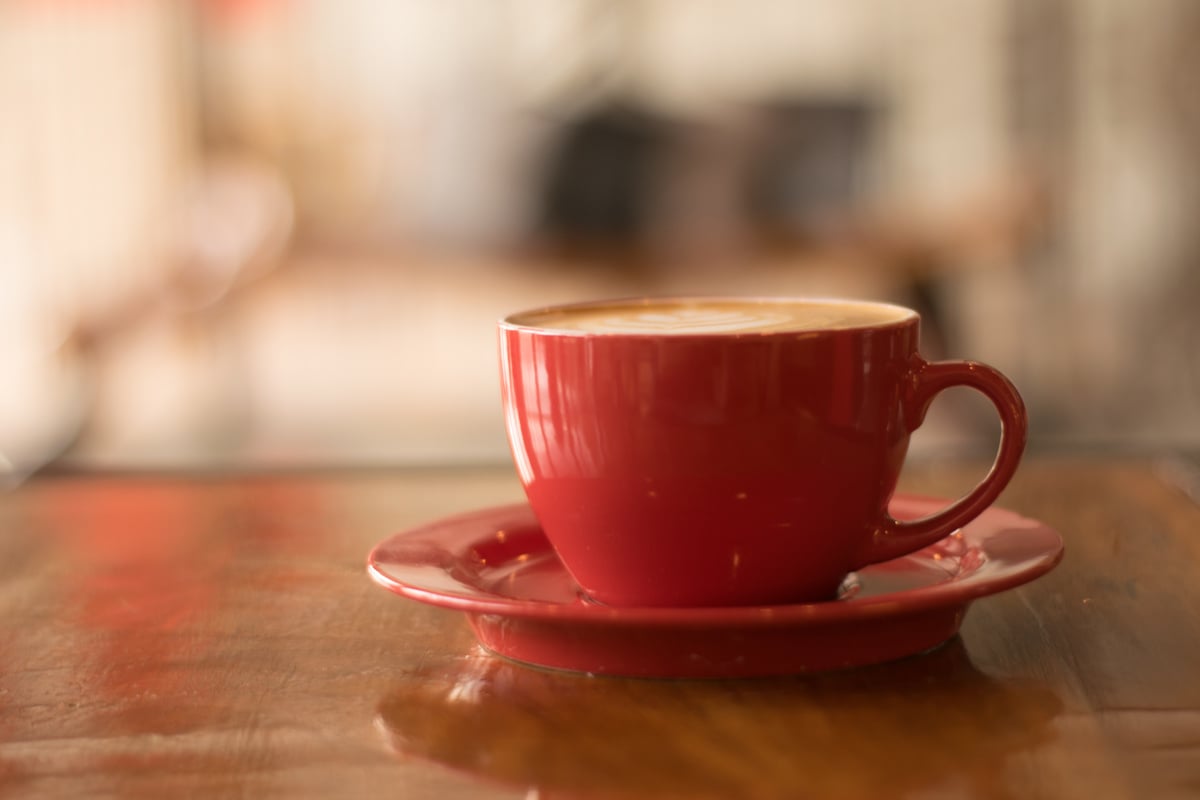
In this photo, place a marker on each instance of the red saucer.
(496, 565)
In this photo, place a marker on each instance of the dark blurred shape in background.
(262, 232)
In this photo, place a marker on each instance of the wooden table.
(217, 636)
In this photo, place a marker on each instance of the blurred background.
(280, 232)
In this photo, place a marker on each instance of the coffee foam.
(713, 317)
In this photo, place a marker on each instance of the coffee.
(699, 316)
(749, 462)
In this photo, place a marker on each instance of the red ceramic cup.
(715, 462)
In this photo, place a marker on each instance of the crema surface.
(700, 317)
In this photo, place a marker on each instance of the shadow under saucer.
(882, 731)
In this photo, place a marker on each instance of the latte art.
(697, 317)
(686, 320)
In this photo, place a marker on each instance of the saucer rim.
(955, 591)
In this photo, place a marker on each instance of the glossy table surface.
(217, 636)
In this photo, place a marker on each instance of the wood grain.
(216, 636)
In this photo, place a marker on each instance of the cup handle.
(895, 538)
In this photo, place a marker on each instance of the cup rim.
(512, 322)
